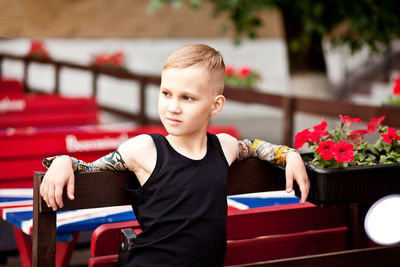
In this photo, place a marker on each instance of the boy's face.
(187, 100)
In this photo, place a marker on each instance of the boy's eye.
(188, 98)
(165, 93)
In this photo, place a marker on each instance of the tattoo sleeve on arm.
(255, 148)
(112, 161)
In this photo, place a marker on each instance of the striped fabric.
(16, 208)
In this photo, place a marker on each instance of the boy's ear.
(218, 105)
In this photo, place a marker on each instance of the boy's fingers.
(58, 194)
(289, 184)
(51, 199)
(289, 180)
(44, 189)
(71, 188)
(304, 189)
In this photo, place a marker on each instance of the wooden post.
(142, 112)
(57, 78)
(1, 65)
(94, 82)
(26, 65)
(288, 120)
(43, 238)
(357, 238)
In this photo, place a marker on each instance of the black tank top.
(182, 209)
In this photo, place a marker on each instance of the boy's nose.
(174, 107)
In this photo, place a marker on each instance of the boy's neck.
(193, 146)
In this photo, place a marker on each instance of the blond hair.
(192, 54)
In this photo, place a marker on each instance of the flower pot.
(351, 185)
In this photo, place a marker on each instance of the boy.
(181, 203)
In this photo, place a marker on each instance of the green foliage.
(367, 22)
(250, 81)
(393, 101)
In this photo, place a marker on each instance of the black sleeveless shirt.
(182, 209)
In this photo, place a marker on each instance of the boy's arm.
(112, 161)
(281, 156)
(61, 170)
(259, 149)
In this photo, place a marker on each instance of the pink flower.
(390, 135)
(343, 152)
(301, 138)
(325, 149)
(244, 72)
(229, 70)
(374, 124)
(319, 131)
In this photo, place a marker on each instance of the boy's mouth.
(173, 120)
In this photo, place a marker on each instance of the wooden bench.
(287, 231)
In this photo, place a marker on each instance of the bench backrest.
(244, 177)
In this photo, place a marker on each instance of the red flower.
(375, 124)
(325, 149)
(244, 72)
(229, 70)
(301, 138)
(349, 120)
(100, 60)
(357, 135)
(117, 59)
(38, 50)
(114, 60)
(396, 86)
(390, 135)
(319, 131)
(343, 152)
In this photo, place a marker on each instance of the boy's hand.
(59, 174)
(295, 170)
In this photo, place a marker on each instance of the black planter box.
(351, 185)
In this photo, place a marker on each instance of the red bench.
(254, 235)
(11, 87)
(22, 150)
(37, 110)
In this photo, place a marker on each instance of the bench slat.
(286, 246)
(283, 219)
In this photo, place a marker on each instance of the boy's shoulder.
(138, 142)
(229, 146)
(137, 149)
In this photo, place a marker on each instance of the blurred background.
(313, 48)
(329, 50)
